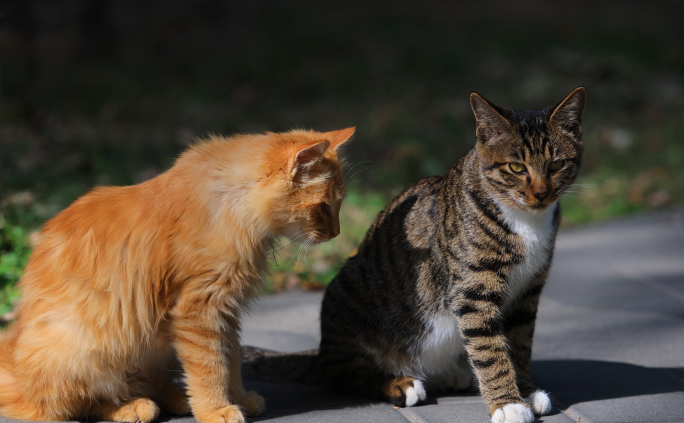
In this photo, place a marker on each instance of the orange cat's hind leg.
(26, 411)
(174, 400)
(252, 403)
(139, 410)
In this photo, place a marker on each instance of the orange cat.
(129, 285)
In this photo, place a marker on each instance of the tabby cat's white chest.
(438, 362)
(535, 230)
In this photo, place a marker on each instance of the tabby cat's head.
(307, 184)
(528, 158)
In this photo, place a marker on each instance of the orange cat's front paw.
(227, 414)
(141, 410)
(253, 404)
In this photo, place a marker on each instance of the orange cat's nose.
(335, 228)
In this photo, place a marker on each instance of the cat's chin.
(538, 207)
(524, 206)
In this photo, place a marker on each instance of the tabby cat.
(447, 280)
(132, 287)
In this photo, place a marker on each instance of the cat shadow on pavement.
(572, 382)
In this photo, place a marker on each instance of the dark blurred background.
(109, 92)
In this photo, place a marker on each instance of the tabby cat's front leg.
(199, 340)
(519, 327)
(478, 307)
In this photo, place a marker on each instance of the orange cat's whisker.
(359, 163)
(365, 168)
(301, 251)
(293, 256)
(289, 242)
(305, 253)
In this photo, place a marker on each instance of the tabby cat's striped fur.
(447, 280)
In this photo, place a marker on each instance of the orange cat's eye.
(517, 167)
(557, 165)
(325, 208)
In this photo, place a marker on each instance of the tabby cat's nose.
(540, 195)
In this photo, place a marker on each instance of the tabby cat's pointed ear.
(339, 137)
(308, 156)
(491, 125)
(568, 113)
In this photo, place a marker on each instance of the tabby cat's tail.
(302, 367)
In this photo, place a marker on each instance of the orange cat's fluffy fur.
(132, 287)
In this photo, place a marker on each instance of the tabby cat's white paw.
(540, 403)
(415, 394)
(513, 413)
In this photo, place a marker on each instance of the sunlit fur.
(129, 285)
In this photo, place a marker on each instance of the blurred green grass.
(120, 112)
(14, 251)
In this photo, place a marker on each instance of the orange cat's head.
(304, 184)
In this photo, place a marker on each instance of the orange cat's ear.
(339, 137)
(307, 156)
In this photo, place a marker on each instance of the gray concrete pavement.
(609, 345)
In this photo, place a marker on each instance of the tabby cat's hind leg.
(361, 378)
(139, 410)
(404, 391)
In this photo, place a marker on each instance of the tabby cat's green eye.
(517, 167)
(557, 165)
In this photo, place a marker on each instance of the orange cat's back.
(76, 292)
